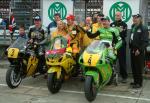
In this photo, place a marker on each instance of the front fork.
(56, 70)
(95, 75)
(19, 67)
(17, 70)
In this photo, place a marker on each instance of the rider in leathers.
(107, 33)
(37, 34)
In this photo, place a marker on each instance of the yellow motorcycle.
(60, 63)
(23, 62)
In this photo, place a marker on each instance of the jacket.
(138, 37)
(120, 23)
(37, 35)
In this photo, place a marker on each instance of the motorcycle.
(60, 63)
(23, 62)
(98, 67)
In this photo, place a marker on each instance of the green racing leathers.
(111, 34)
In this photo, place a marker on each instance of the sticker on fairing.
(74, 32)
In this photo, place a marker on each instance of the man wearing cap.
(75, 34)
(121, 53)
(38, 34)
(137, 43)
(73, 30)
(107, 33)
(53, 25)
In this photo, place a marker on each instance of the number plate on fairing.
(13, 52)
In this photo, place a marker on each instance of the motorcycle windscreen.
(58, 46)
(19, 43)
(96, 47)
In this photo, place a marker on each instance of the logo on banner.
(122, 7)
(57, 7)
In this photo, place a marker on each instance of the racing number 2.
(13, 51)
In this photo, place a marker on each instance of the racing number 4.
(90, 60)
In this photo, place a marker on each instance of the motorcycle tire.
(53, 83)
(146, 70)
(111, 80)
(90, 89)
(13, 79)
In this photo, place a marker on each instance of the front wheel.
(53, 83)
(90, 88)
(13, 78)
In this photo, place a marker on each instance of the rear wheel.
(146, 70)
(90, 88)
(53, 83)
(111, 80)
(13, 78)
(116, 79)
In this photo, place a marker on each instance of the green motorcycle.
(97, 62)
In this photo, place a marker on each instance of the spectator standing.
(122, 26)
(138, 42)
(12, 25)
(53, 25)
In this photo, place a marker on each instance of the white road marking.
(108, 95)
(80, 92)
(3, 85)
